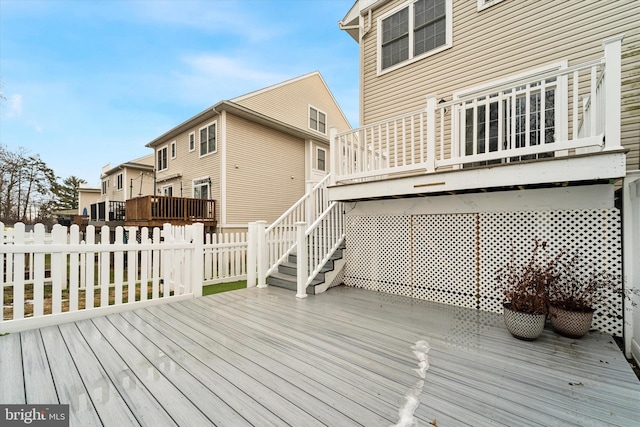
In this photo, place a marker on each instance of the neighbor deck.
(261, 357)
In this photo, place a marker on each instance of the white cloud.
(15, 105)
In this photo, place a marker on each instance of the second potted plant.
(573, 298)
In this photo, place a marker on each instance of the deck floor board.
(262, 357)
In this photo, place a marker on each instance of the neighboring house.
(487, 124)
(86, 197)
(253, 155)
(119, 184)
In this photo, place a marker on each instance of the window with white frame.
(105, 185)
(317, 120)
(416, 30)
(167, 190)
(208, 139)
(173, 150)
(321, 159)
(162, 161)
(119, 181)
(202, 188)
(483, 4)
(192, 141)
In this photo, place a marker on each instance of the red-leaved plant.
(524, 286)
(583, 288)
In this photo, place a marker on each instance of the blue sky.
(91, 82)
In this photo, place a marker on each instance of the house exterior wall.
(265, 171)
(134, 182)
(289, 103)
(87, 197)
(531, 35)
(188, 165)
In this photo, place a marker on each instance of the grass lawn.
(223, 287)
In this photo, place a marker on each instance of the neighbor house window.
(167, 190)
(483, 4)
(192, 141)
(321, 162)
(105, 185)
(208, 139)
(317, 120)
(119, 183)
(416, 30)
(202, 188)
(162, 162)
(173, 150)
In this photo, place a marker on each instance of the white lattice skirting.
(452, 258)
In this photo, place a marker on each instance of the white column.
(261, 253)
(431, 133)
(301, 254)
(334, 155)
(612, 84)
(252, 251)
(631, 268)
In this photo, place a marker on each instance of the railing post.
(252, 251)
(310, 203)
(431, 133)
(261, 253)
(302, 262)
(197, 269)
(612, 84)
(334, 155)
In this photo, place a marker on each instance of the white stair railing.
(317, 243)
(273, 244)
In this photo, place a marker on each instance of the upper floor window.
(192, 141)
(162, 162)
(208, 139)
(483, 4)
(416, 30)
(173, 150)
(105, 184)
(119, 183)
(317, 120)
(321, 159)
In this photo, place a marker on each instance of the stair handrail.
(319, 246)
(280, 236)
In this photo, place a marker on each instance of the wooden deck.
(260, 357)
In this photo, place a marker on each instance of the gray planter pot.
(570, 324)
(524, 326)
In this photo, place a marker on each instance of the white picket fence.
(45, 278)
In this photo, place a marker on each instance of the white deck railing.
(558, 113)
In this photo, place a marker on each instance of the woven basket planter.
(570, 324)
(524, 326)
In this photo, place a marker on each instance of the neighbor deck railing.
(168, 208)
(112, 210)
(558, 113)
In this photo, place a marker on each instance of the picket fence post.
(197, 260)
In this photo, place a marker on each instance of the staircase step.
(290, 282)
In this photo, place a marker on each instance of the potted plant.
(524, 287)
(579, 290)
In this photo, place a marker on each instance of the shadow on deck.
(261, 357)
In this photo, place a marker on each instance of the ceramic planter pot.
(570, 324)
(524, 326)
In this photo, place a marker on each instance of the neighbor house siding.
(265, 171)
(289, 103)
(508, 38)
(191, 166)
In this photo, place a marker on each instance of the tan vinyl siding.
(289, 103)
(508, 38)
(191, 166)
(265, 171)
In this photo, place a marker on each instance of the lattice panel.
(378, 253)
(453, 258)
(444, 254)
(594, 233)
